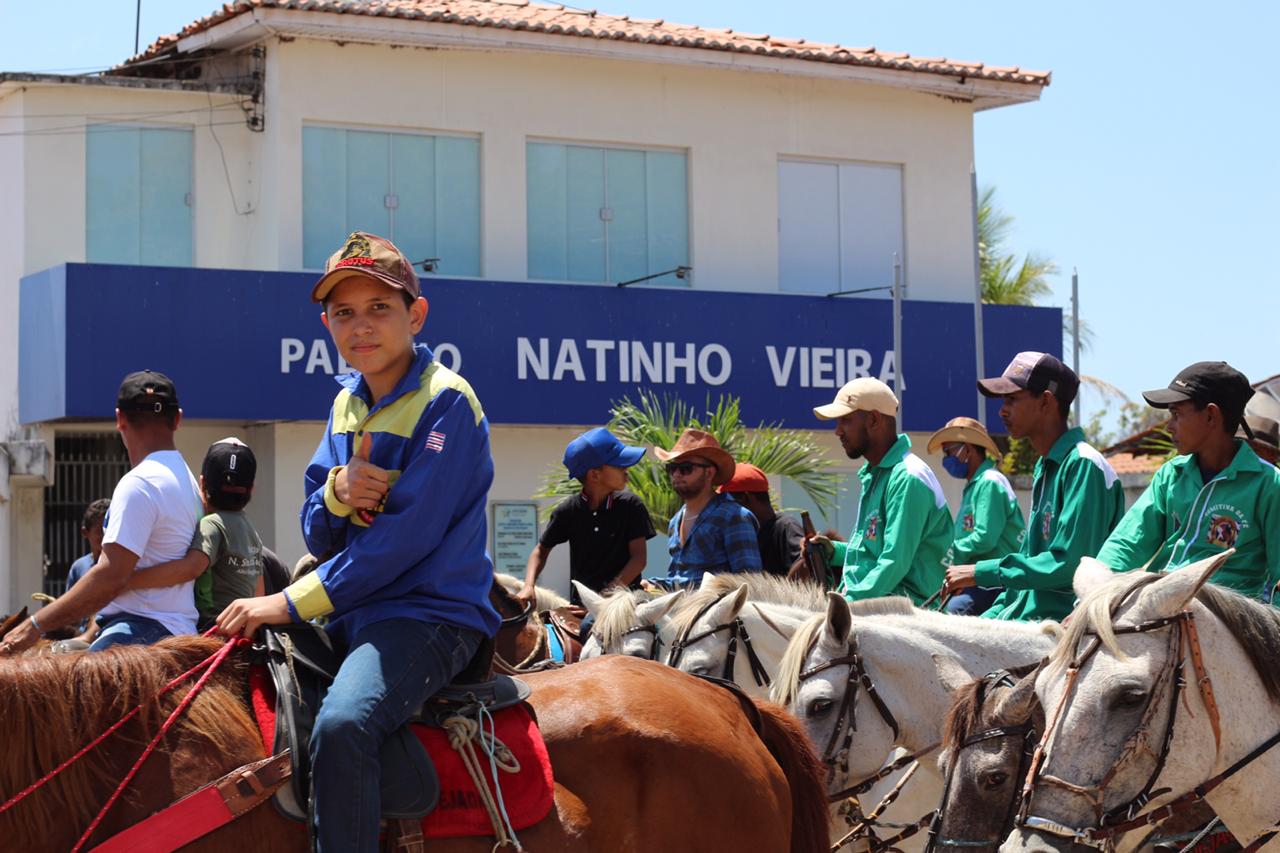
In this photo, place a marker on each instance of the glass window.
(138, 195)
(606, 214)
(422, 192)
(839, 225)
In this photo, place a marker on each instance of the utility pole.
(899, 379)
(978, 348)
(1075, 333)
(137, 26)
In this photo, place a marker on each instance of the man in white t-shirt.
(153, 515)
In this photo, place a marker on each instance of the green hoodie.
(1181, 519)
(1076, 501)
(902, 532)
(989, 523)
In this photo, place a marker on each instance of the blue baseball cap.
(597, 447)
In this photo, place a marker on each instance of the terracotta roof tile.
(563, 20)
(1128, 463)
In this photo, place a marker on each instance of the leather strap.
(405, 836)
(1203, 681)
(204, 810)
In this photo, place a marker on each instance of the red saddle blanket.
(528, 794)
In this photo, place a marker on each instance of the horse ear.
(839, 621)
(1175, 590)
(951, 674)
(707, 580)
(651, 611)
(1090, 575)
(1016, 706)
(728, 607)
(591, 599)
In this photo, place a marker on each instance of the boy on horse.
(1216, 495)
(395, 505)
(1076, 496)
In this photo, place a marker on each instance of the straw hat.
(695, 442)
(963, 431)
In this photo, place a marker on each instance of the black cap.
(1203, 383)
(147, 391)
(1036, 372)
(229, 466)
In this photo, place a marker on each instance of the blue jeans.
(392, 667)
(973, 601)
(128, 629)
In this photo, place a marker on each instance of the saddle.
(302, 664)
(564, 632)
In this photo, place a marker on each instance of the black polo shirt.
(780, 544)
(598, 538)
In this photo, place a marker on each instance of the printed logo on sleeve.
(435, 441)
(873, 527)
(968, 524)
(1046, 524)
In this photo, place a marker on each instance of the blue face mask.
(956, 468)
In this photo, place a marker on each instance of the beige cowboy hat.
(695, 442)
(963, 431)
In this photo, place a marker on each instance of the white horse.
(1108, 724)
(914, 659)
(628, 622)
(755, 615)
(769, 610)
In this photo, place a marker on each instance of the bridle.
(847, 717)
(1184, 643)
(836, 753)
(1023, 731)
(736, 629)
(646, 629)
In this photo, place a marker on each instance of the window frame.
(190, 198)
(401, 131)
(838, 162)
(686, 151)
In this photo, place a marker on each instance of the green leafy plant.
(654, 421)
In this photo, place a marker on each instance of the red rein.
(209, 665)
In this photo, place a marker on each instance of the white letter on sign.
(704, 370)
(526, 358)
(568, 361)
(291, 350)
(319, 358)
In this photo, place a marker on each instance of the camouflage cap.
(368, 255)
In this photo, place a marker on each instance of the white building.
(526, 147)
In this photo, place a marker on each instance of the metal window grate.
(87, 466)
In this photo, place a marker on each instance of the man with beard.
(1216, 495)
(711, 532)
(904, 526)
(1076, 496)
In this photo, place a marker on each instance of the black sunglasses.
(685, 468)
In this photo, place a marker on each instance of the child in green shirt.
(225, 557)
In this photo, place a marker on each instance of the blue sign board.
(249, 346)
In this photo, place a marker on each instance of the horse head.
(627, 622)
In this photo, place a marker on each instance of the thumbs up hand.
(360, 483)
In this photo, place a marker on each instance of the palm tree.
(1007, 279)
(654, 421)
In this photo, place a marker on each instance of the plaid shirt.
(723, 539)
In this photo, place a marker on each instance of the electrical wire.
(79, 129)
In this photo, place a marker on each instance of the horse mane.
(617, 616)
(893, 605)
(1256, 626)
(543, 599)
(52, 704)
(764, 588)
(786, 684)
(964, 715)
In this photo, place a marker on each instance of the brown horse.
(645, 757)
(522, 645)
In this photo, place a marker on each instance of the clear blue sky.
(1152, 163)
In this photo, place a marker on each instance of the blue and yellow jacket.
(423, 556)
